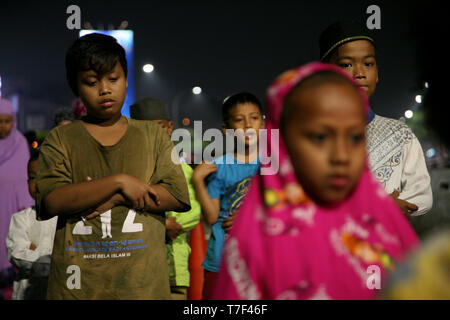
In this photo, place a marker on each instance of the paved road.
(439, 216)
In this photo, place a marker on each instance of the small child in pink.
(322, 227)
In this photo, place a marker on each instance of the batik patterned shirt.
(397, 160)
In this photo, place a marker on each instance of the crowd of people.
(101, 210)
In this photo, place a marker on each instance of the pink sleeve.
(226, 288)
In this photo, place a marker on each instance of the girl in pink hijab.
(321, 227)
(14, 195)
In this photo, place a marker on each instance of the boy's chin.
(105, 115)
(248, 143)
(332, 200)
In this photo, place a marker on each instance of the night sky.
(222, 46)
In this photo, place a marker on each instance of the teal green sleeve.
(190, 218)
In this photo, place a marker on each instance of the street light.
(148, 68)
(176, 102)
(431, 153)
(409, 114)
(419, 98)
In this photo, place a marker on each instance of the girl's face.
(247, 117)
(6, 124)
(325, 138)
(358, 59)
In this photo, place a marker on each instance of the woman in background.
(14, 195)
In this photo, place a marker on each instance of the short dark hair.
(62, 114)
(238, 98)
(339, 33)
(96, 52)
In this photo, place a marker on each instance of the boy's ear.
(126, 83)
(170, 127)
(378, 71)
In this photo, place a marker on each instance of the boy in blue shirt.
(227, 179)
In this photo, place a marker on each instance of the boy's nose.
(358, 72)
(104, 89)
(339, 152)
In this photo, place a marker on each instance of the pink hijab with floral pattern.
(284, 246)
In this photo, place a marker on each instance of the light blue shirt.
(229, 184)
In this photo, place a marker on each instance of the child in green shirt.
(177, 224)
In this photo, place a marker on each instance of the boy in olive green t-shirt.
(109, 179)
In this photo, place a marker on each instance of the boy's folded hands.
(133, 192)
(139, 194)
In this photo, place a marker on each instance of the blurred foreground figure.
(316, 229)
(426, 276)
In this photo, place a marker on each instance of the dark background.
(231, 46)
(222, 46)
